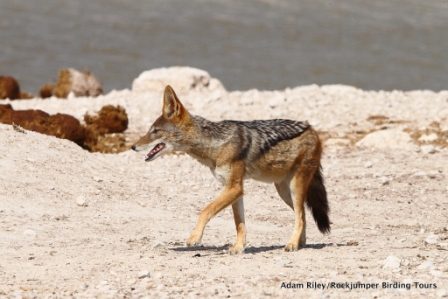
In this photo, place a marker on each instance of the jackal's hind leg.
(299, 187)
(238, 214)
(285, 193)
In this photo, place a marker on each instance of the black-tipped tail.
(318, 203)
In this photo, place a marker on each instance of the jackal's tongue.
(154, 151)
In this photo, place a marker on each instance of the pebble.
(97, 179)
(284, 262)
(158, 244)
(428, 138)
(428, 149)
(143, 274)
(443, 293)
(392, 262)
(419, 174)
(432, 239)
(368, 164)
(428, 265)
(29, 232)
(384, 180)
(81, 201)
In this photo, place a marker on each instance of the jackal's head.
(166, 133)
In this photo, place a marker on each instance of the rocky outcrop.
(83, 84)
(388, 139)
(59, 125)
(9, 88)
(182, 79)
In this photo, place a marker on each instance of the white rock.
(428, 138)
(368, 164)
(442, 293)
(158, 244)
(284, 262)
(420, 174)
(143, 274)
(97, 179)
(182, 79)
(387, 139)
(428, 265)
(392, 262)
(81, 201)
(432, 239)
(428, 149)
(384, 180)
(29, 232)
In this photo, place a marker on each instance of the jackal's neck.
(205, 140)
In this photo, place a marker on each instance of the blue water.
(264, 44)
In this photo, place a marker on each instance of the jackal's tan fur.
(284, 152)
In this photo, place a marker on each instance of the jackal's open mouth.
(154, 151)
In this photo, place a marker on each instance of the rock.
(388, 139)
(368, 164)
(158, 244)
(428, 138)
(9, 88)
(337, 142)
(59, 125)
(392, 262)
(143, 274)
(432, 239)
(81, 201)
(428, 265)
(97, 179)
(30, 233)
(182, 80)
(46, 91)
(283, 262)
(384, 180)
(428, 149)
(443, 293)
(80, 84)
(110, 119)
(419, 174)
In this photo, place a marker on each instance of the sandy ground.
(77, 224)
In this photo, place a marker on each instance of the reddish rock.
(81, 84)
(9, 88)
(46, 91)
(60, 125)
(110, 119)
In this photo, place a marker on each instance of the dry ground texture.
(79, 224)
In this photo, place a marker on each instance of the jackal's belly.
(268, 171)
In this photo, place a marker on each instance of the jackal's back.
(251, 138)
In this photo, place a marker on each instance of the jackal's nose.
(133, 147)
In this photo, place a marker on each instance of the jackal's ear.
(172, 107)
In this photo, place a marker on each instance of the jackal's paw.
(194, 240)
(291, 247)
(236, 249)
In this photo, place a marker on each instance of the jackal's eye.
(155, 131)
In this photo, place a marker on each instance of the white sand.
(78, 224)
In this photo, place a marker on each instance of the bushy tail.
(318, 203)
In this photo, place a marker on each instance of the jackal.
(284, 152)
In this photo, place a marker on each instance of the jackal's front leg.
(232, 177)
(227, 197)
(238, 215)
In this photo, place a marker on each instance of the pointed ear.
(172, 107)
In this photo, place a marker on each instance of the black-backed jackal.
(284, 152)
